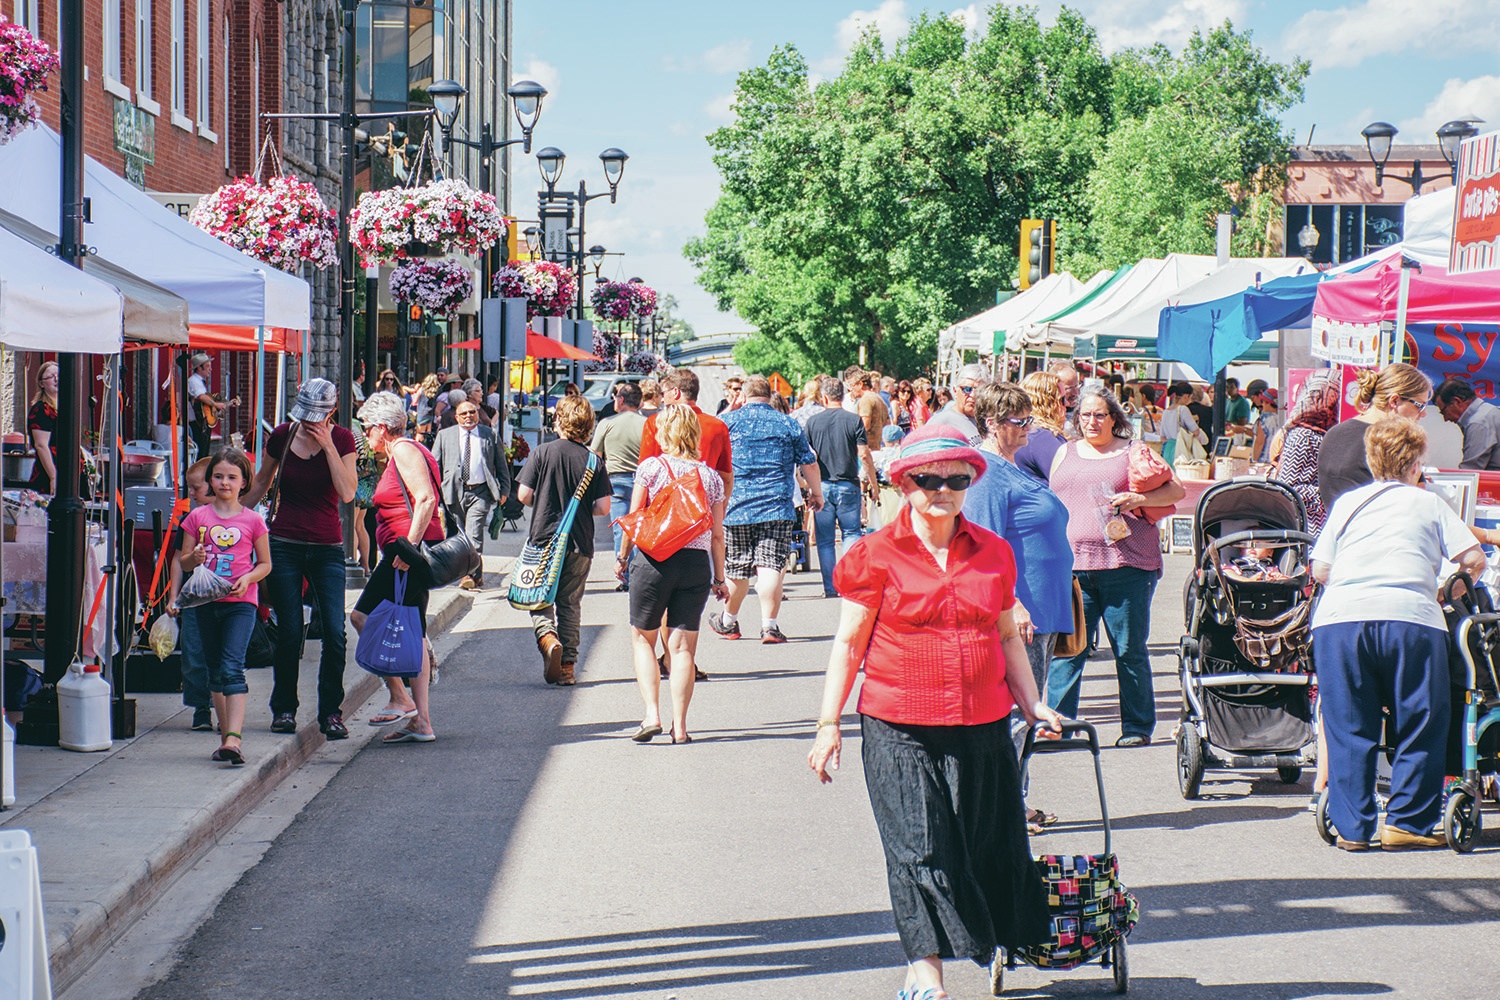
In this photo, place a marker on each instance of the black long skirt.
(947, 802)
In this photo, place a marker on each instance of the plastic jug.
(83, 721)
(8, 779)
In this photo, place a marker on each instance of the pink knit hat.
(935, 443)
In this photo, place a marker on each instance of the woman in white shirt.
(1178, 419)
(1380, 553)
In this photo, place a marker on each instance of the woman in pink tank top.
(1116, 559)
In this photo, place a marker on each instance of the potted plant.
(284, 222)
(444, 216)
(25, 63)
(439, 286)
(548, 287)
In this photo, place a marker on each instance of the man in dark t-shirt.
(839, 439)
(548, 481)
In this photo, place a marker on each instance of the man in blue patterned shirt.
(767, 447)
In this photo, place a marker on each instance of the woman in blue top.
(1026, 513)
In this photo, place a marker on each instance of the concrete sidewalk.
(115, 829)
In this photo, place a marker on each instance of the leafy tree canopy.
(877, 207)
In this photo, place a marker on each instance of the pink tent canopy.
(1368, 297)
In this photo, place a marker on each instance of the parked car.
(596, 387)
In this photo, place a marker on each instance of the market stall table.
(25, 584)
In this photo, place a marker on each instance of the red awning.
(467, 345)
(538, 346)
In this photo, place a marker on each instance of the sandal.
(1040, 818)
(227, 754)
(391, 716)
(647, 733)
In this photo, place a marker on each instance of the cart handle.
(1031, 748)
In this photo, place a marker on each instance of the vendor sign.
(1476, 209)
(1343, 343)
(1457, 350)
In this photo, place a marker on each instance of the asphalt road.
(534, 851)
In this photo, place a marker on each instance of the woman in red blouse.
(927, 613)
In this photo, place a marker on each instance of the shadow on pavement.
(659, 962)
(1182, 988)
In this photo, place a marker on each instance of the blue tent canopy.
(1209, 335)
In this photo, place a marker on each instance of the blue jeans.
(194, 668)
(322, 566)
(1122, 598)
(1401, 665)
(623, 485)
(841, 507)
(216, 636)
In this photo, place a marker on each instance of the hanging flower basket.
(439, 286)
(548, 288)
(284, 222)
(618, 301)
(448, 216)
(606, 349)
(25, 63)
(645, 363)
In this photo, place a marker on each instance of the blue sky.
(654, 77)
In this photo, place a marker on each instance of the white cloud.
(971, 17)
(1131, 23)
(721, 109)
(1349, 35)
(1459, 99)
(542, 72)
(730, 57)
(890, 19)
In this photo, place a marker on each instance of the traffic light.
(415, 327)
(1038, 250)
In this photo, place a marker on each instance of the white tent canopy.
(1235, 276)
(46, 305)
(1021, 332)
(977, 333)
(222, 286)
(1147, 281)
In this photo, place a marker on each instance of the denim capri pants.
(218, 640)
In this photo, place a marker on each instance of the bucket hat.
(316, 398)
(936, 443)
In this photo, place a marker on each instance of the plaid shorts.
(746, 546)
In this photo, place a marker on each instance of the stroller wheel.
(1462, 820)
(1190, 762)
(1122, 967)
(1320, 818)
(1289, 774)
(997, 973)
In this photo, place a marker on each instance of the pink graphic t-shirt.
(230, 542)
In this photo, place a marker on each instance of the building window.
(143, 54)
(224, 92)
(112, 69)
(179, 63)
(26, 14)
(205, 71)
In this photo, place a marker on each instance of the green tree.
(875, 208)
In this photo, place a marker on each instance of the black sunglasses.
(1022, 422)
(932, 484)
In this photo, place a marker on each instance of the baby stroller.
(1474, 732)
(1245, 662)
(1092, 913)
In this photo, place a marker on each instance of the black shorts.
(676, 587)
(382, 586)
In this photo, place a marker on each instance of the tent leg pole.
(260, 390)
(280, 392)
(1398, 335)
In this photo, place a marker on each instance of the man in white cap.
(200, 366)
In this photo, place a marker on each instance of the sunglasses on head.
(931, 483)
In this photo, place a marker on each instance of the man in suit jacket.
(476, 475)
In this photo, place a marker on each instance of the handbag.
(1147, 471)
(1077, 641)
(452, 559)
(677, 514)
(534, 578)
(391, 643)
(261, 651)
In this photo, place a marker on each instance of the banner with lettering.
(1476, 207)
(1457, 350)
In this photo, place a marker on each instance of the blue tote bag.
(391, 643)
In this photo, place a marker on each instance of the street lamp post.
(1380, 135)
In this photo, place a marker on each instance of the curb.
(79, 933)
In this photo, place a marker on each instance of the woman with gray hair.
(1116, 558)
(406, 515)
